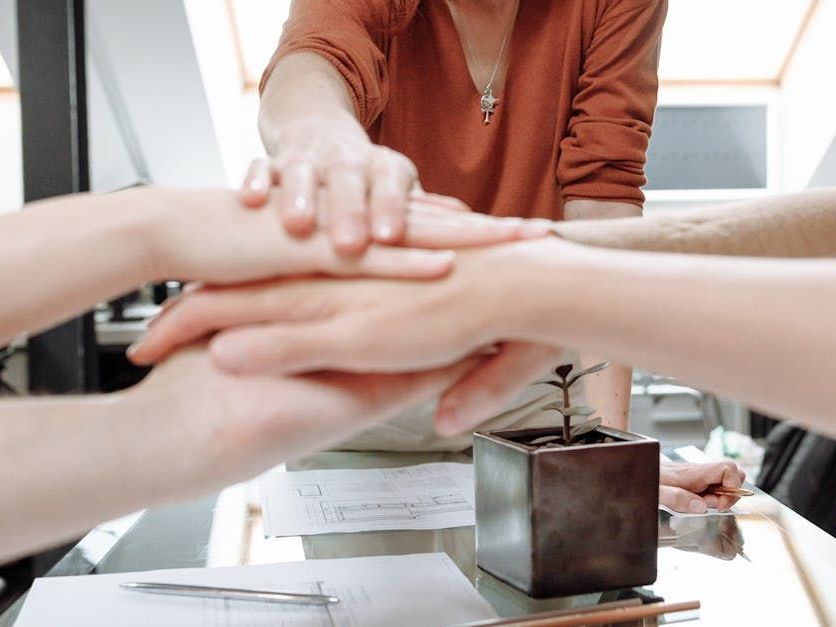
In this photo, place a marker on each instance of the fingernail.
(384, 231)
(131, 351)
(300, 204)
(696, 506)
(257, 185)
(444, 258)
(447, 421)
(535, 228)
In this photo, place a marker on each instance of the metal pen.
(238, 594)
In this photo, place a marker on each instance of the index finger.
(255, 190)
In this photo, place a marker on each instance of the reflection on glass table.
(767, 566)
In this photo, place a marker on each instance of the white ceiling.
(704, 40)
(5, 76)
(729, 40)
(259, 26)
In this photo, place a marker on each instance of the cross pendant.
(488, 103)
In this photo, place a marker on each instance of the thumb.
(488, 389)
(256, 186)
(280, 348)
(680, 500)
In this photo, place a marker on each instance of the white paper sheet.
(421, 590)
(310, 502)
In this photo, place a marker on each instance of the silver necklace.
(487, 103)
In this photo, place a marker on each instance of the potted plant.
(567, 510)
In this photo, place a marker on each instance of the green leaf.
(585, 427)
(590, 370)
(563, 371)
(577, 410)
(557, 384)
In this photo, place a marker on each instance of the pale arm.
(71, 463)
(61, 255)
(304, 85)
(185, 430)
(609, 392)
(798, 225)
(760, 331)
(310, 128)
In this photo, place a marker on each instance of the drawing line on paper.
(287, 615)
(370, 510)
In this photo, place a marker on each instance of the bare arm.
(798, 225)
(64, 255)
(61, 255)
(304, 85)
(609, 391)
(312, 131)
(757, 330)
(187, 429)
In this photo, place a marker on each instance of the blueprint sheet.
(422, 590)
(310, 502)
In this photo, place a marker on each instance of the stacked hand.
(374, 325)
(210, 238)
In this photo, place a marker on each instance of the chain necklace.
(487, 102)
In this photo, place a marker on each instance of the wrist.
(165, 209)
(548, 282)
(142, 216)
(173, 439)
(300, 126)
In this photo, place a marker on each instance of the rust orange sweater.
(574, 116)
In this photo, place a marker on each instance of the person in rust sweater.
(519, 108)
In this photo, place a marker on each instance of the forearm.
(608, 391)
(70, 464)
(800, 225)
(757, 330)
(60, 256)
(304, 85)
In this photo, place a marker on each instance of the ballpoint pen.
(724, 491)
(239, 594)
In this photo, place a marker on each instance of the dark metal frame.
(53, 98)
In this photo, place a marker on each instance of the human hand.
(365, 186)
(487, 389)
(359, 326)
(715, 535)
(205, 235)
(683, 485)
(229, 428)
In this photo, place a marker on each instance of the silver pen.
(239, 594)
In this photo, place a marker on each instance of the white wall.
(11, 183)
(234, 112)
(149, 62)
(809, 100)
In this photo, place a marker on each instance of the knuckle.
(345, 164)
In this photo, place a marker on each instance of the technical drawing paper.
(411, 590)
(310, 502)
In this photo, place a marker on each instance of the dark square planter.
(572, 520)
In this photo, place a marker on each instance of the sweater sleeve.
(798, 225)
(351, 35)
(603, 155)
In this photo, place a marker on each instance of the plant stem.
(567, 420)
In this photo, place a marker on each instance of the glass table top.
(764, 566)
